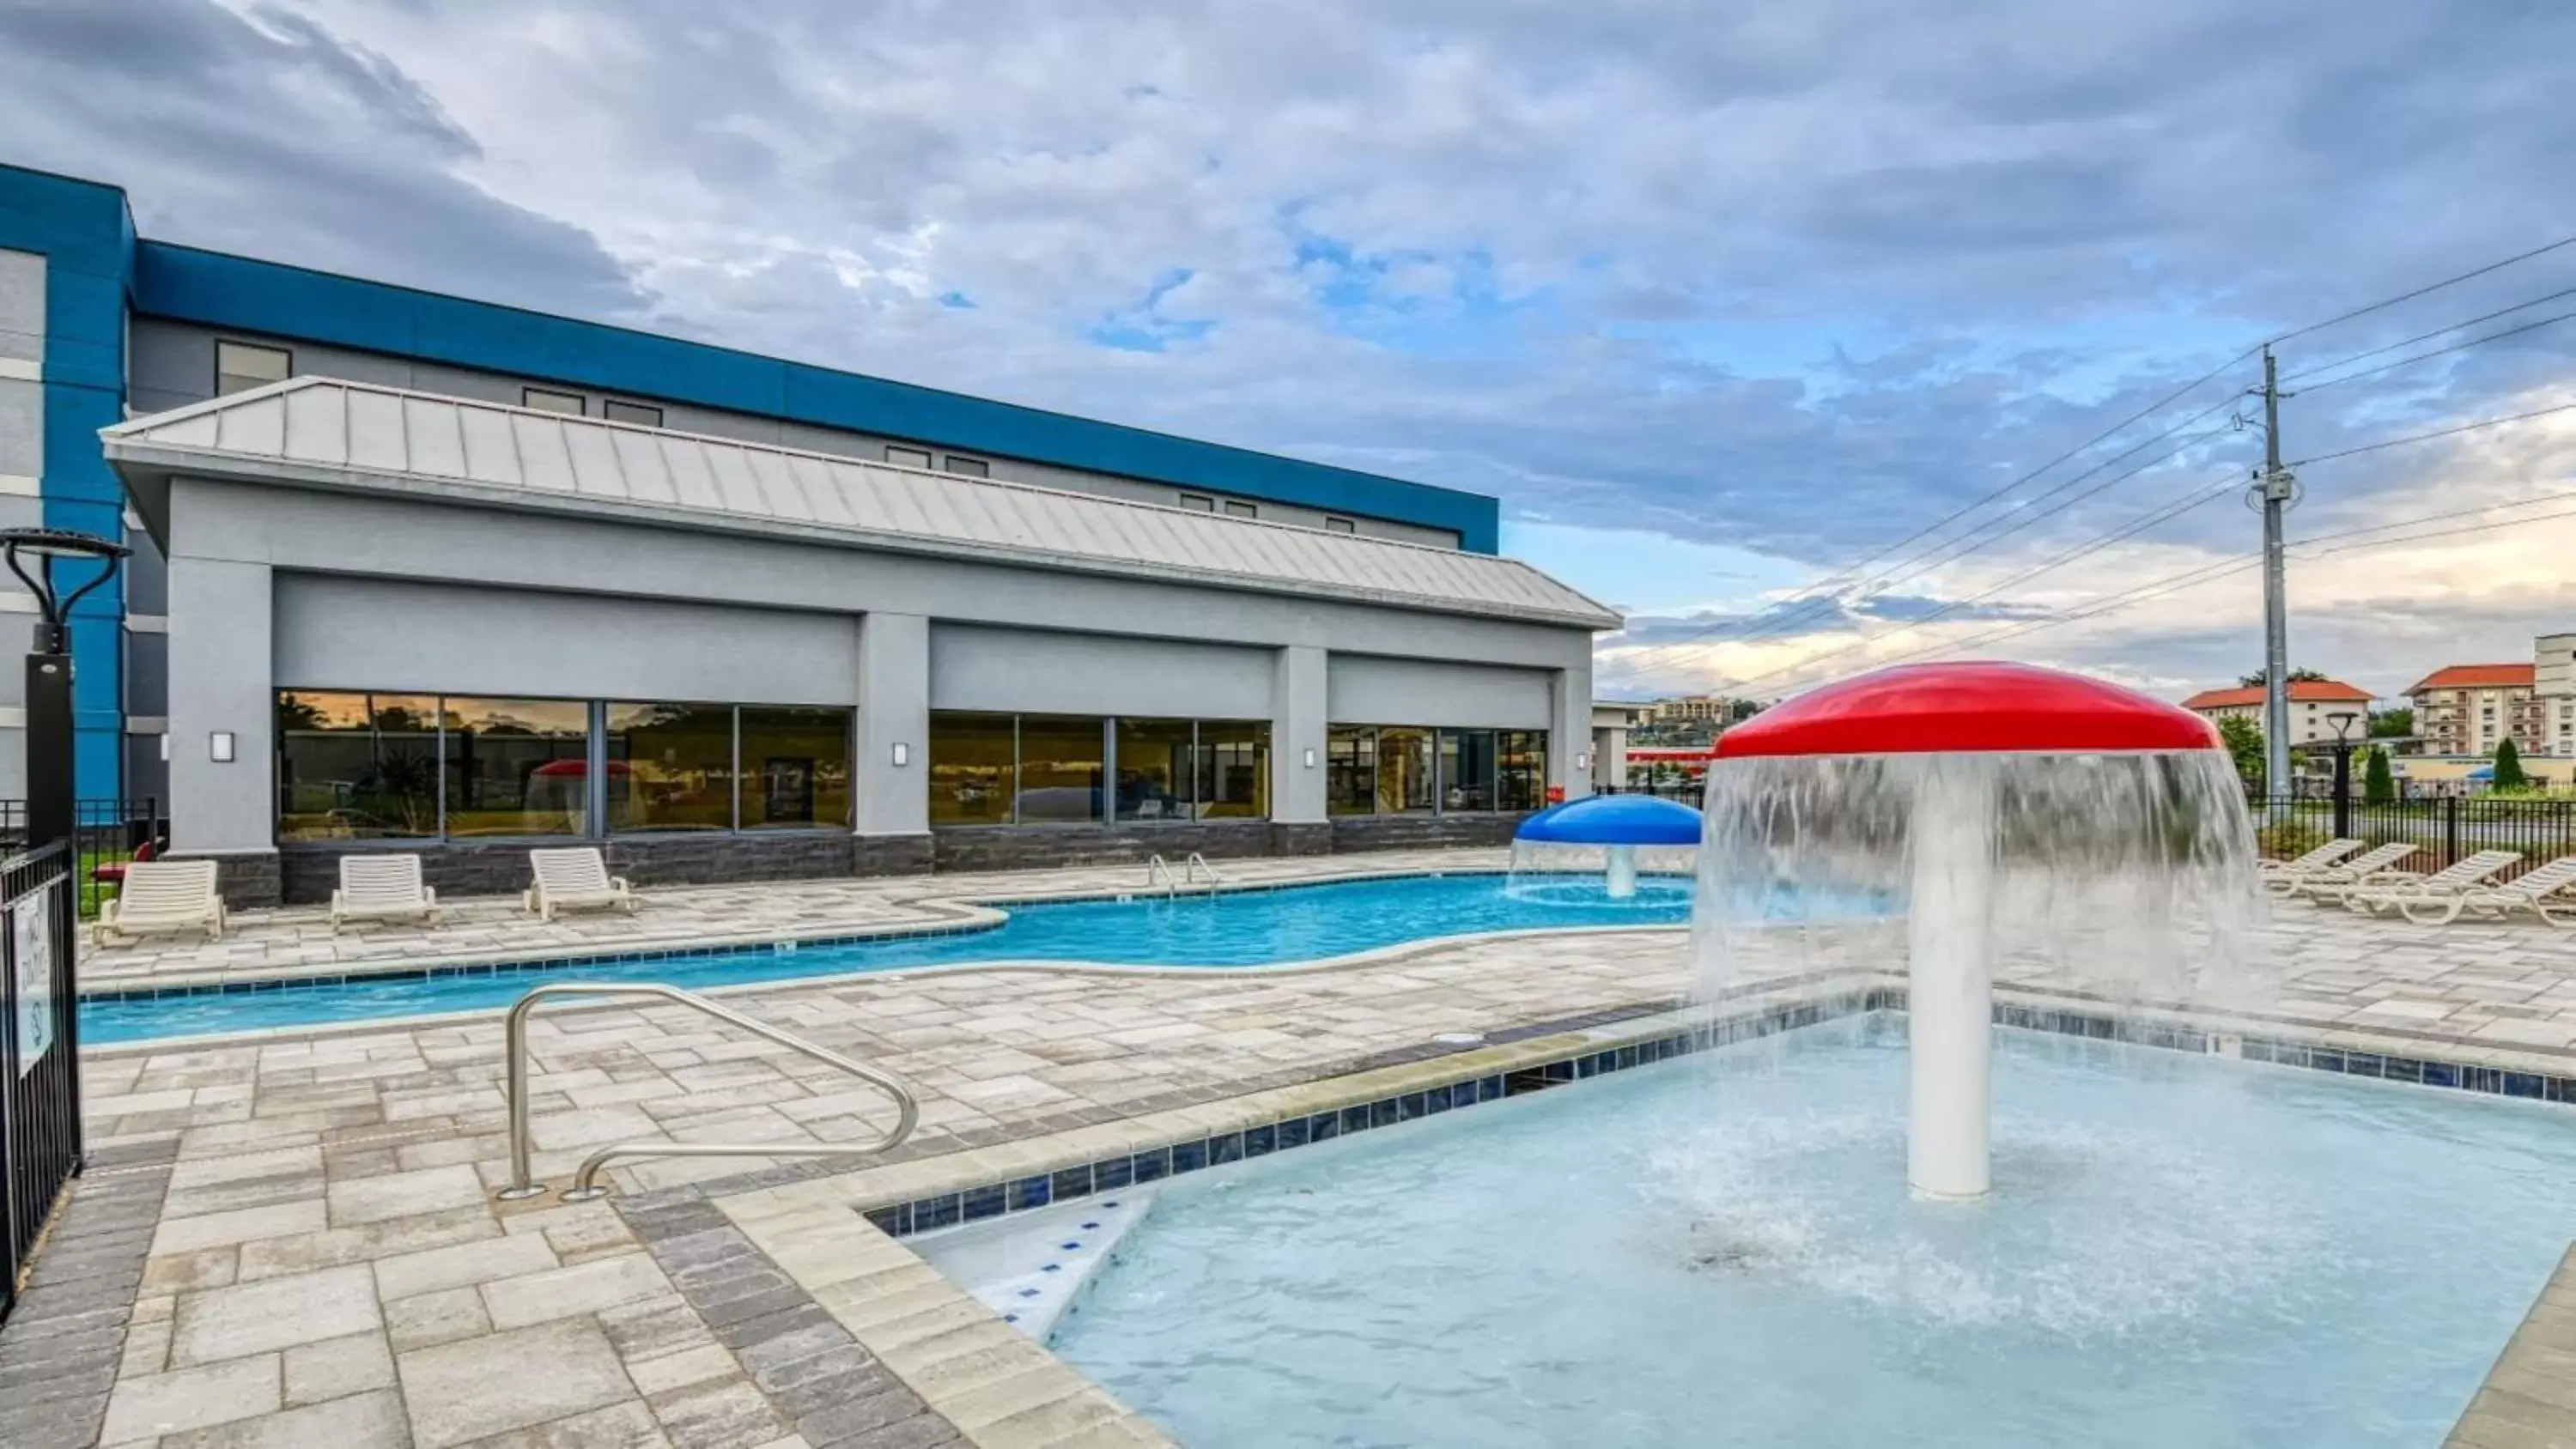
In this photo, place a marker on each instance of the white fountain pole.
(1621, 883)
(1950, 1000)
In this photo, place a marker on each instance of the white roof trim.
(321, 432)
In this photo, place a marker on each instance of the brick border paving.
(67, 1334)
(836, 1393)
(2529, 1398)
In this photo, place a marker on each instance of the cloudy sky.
(1726, 303)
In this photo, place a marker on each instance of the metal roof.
(325, 433)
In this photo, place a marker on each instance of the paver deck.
(292, 1239)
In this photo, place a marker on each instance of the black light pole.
(50, 788)
(2342, 722)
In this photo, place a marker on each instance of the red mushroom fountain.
(2012, 810)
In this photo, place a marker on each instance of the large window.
(1061, 766)
(1233, 769)
(356, 766)
(670, 767)
(403, 766)
(1466, 769)
(1404, 779)
(1520, 769)
(1402, 769)
(516, 766)
(1033, 769)
(1350, 770)
(972, 760)
(1153, 769)
(795, 768)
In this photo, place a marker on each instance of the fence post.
(2450, 830)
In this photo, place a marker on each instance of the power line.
(1777, 624)
(2440, 351)
(2425, 290)
(2436, 433)
(2429, 336)
(2211, 573)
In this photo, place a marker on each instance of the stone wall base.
(306, 874)
(245, 881)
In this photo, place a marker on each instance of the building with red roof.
(2313, 705)
(2469, 709)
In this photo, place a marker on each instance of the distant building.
(2313, 705)
(2469, 709)
(2553, 682)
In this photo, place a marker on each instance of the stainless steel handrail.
(523, 1183)
(1197, 865)
(1155, 865)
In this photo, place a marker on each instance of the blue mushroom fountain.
(1617, 823)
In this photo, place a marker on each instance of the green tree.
(2508, 768)
(2378, 785)
(2297, 676)
(2244, 741)
(2391, 722)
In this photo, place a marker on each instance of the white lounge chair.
(574, 877)
(2531, 891)
(382, 888)
(164, 895)
(2371, 867)
(2466, 875)
(2281, 877)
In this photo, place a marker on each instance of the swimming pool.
(1720, 1251)
(1230, 929)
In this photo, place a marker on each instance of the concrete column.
(1609, 756)
(1298, 725)
(1569, 729)
(222, 680)
(894, 714)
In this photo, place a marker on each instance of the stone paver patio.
(292, 1240)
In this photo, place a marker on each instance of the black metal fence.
(1687, 791)
(2444, 830)
(40, 1141)
(107, 835)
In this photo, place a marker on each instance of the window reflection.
(356, 766)
(1060, 768)
(1154, 769)
(1350, 770)
(1466, 769)
(670, 767)
(795, 767)
(516, 766)
(1233, 769)
(1404, 775)
(970, 768)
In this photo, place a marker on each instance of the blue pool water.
(1246, 928)
(1720, 1251)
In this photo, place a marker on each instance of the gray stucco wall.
(174, 364)
(1366, 689)
(353, 633)
(1030, 670)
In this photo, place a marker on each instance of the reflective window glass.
(1060, 768)
(1520, 769)
(517, 766)
(1466, 769)
(1350, 770)
(1234, 769)
(795, 767)
(356, 766)
(970, 768)
(670, 767)
(1154, 769)
(1404, 776)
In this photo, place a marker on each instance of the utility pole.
(2273, 487)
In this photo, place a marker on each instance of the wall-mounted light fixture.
(1310, 759)
(219, 747)
(165, 747)
(902, 754)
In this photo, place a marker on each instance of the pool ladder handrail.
(523, 1183)
(1157, 868)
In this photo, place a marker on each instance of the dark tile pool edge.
(991, 1199)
